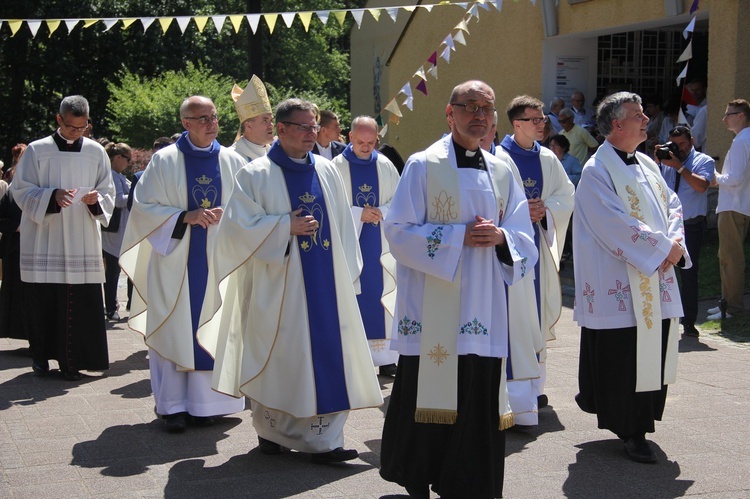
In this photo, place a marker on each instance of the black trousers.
(695, 228)
(111, 276)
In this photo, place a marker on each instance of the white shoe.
(715, 310)
(717, 316)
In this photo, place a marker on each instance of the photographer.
(689, 173)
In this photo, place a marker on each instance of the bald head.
(477, 86)
(364, 136)
(192, 103)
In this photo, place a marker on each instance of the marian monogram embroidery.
(204, 194)
(310, 207)
(433, 242)
(621, 294)
(532, 191)
(365, 198)
(408, 326)
(474, 327)
(443, 208)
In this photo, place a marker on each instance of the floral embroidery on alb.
(474, 327)
(433, 242)
(408, 326)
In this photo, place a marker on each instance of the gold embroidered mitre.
(251, 102)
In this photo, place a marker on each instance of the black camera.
(663, 151)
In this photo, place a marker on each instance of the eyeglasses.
(75, 128)
(127, 158)
(303, 128)
(730, 114)
(565, 120)
(535, 121)
(473, 108)
(205, 119)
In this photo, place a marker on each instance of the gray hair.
(288, 107)
(566, 112)
(610, 108)
(555, 101)
(77, 105)
(494, 118)
(365, 121)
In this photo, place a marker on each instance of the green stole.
(645, 289)
(437, 383)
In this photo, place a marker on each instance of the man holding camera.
(688, 173)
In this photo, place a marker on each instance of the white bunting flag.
(108, 23)
(689, 29)
(146, 22)
(182, 22)
(323, 15)
(409, 102)
(406, 89)
(420, 73)
(357, 14)
(433, 72)
(288, 18)
(219, 22)
(446, 55)
(498, 4)
(34, 27)
(253, 20)
(687, 54)
(459, 38)
(393, 13)
(449, 41)
(393, 108)
(682, 75)
(71, 23)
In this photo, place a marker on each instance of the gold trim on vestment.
(435, 416)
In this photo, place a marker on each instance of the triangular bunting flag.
(463, 5)
(428, 7)
(498, 5)
(694, 6)
(681, 119)
(34, 27)
(410, 8)
(375, 14)
(394, 119)
(446, 55)
(253, 20)
(484, 5)
(433, 58)
(323, 15)
(409, 102)
(164, 22)
(474, 12)
(420, 73)
(462, 26)
(383, 131)
(682, 75)
(219, 22)
(146, 22)
(87, 23)
(200, 22)
(459, 38)
(69, 23)
(126, 22)
(340, 16)
(1, 24)
(422, 87)
(533, 2)
(689, 29)
(270, 21)
(51, 25)
(182, 22)
(393, 107)
(236, 21)
(393, 13)
(108, 23)
(288, 18)
(433, 72)
(305, 17)
(357, 14)
(687, 54)
(15, 25)
(688, 99)
(406, 89)
(449, 41)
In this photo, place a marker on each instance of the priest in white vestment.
(460, 231)
(627, 239)
(288, 334)
(370, 180)
(256, 119)
(535, 302)
(63, 185)
(166, 253)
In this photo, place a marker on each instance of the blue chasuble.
(530, 168)
(366, 193)
(316, 262)
(203, 191)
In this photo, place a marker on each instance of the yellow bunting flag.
(165, 22)
(270, 21)
(375, 14)
(410, 8)
(127, 22)
(236, 21)
(305, 17)
(340, 16)
(201, 21)
(462, 26)
(393, 108)
(53, 25)
(15, 25)
(89, 22)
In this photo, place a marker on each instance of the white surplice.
(249, 150)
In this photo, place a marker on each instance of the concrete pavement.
(100, 438)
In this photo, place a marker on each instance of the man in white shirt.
(327, 143)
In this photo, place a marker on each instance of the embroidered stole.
(644, 289)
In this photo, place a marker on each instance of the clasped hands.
(483, 234)
(204, 216)
(537, 209)
(64, 197)
(674, 256)
(302, 225)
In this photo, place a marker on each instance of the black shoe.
(201, 421)
(72, 375)
(113, 316)
(690, 330)
(338, 455)
(40, 368)
(388, 370)
(175, 423)
(638, 450)
(268, 447)
(542, 401)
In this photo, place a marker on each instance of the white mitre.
(251, 102)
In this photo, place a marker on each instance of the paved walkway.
(99, 437)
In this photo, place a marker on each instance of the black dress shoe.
(690, 330)
(175, 423)
(40, 368)
(388, 370)
(268, 447)
(638, 450)
(542, 401)
(201, 421)
(72, 375)
(338, 455)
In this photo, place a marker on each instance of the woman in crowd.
(560, 145)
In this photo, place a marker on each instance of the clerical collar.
(533, 146)
(468, 159)
(628, 158)
(196, 148)
(67, 145)
(67, 141)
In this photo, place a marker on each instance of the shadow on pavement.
(15, 359)
(601, 465)
(690, 344)
(518, 437)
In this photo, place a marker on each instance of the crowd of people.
(285, 269)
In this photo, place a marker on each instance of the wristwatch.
(681, 168)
